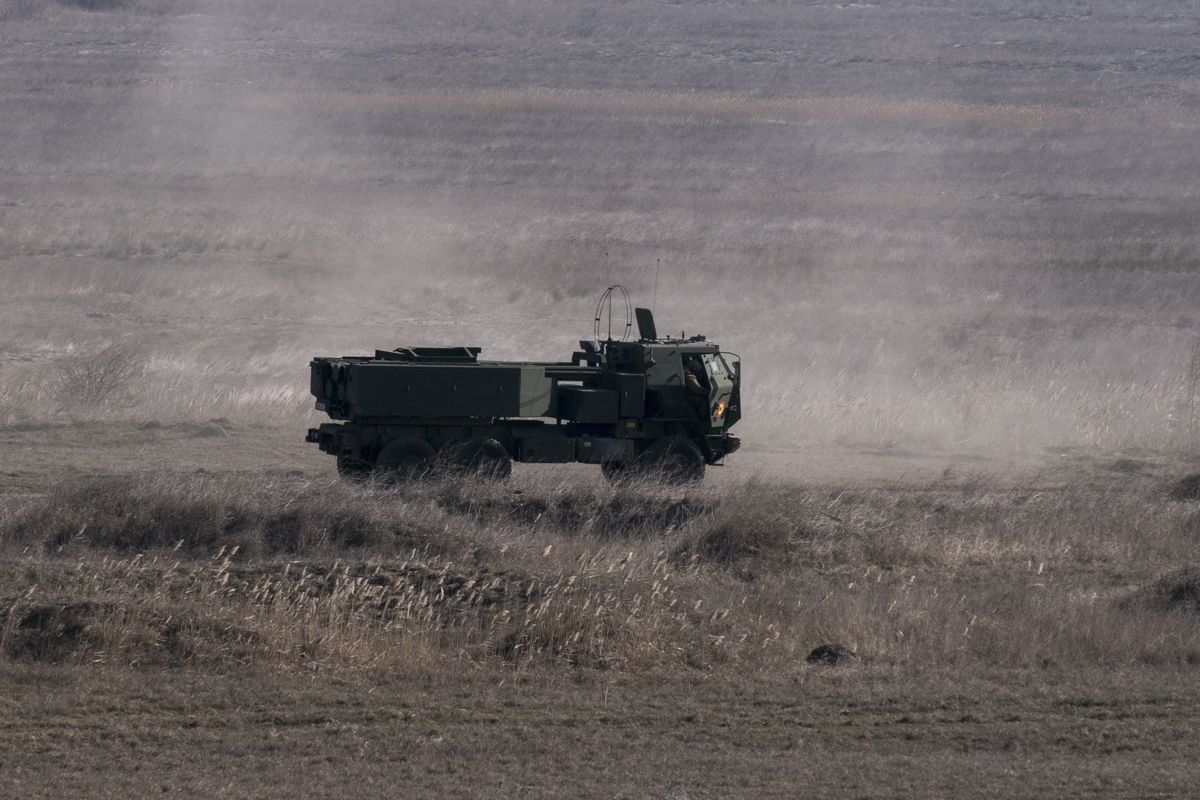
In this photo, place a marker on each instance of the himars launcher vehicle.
(654, 406)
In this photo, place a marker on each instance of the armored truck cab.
(657, 405)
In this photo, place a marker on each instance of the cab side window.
(695, 378)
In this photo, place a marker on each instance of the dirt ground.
(38, 454)
(827, 735)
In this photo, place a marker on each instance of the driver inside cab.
(694, 378)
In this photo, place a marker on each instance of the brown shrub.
(99, 377)
(1187, 488)
(203, 515)
(767, 526)
(130, 632)
(1177, 591)
(51, 632)
(610, 511)
(730, 540)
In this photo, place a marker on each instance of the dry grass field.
(274, 635)
(954, 244)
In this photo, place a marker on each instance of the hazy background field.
(954, 243)
(948, 227)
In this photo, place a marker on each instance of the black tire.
(617, 471)
(676, 460)
(477, 457)
(352, 469)
(404, 460)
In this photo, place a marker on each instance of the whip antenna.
(606, 303)
(654, 297)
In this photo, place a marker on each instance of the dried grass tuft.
(279, 574)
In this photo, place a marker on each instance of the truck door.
(721, 383)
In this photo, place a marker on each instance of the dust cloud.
(962, 227)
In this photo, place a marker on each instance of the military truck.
(659, 407)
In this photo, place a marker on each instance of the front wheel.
(675, 460)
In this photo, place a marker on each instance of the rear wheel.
(478, 457)
(403, 460)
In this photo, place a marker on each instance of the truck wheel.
(352, 469)
(479, 457)
(675, 460)
(615, 471)
(404, 459)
